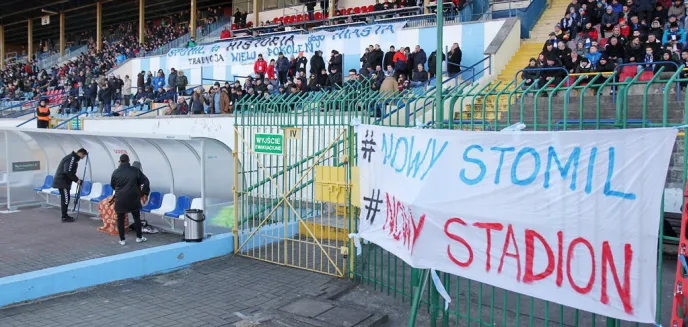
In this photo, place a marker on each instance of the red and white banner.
(567, 217)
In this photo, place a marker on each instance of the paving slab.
(34, 239)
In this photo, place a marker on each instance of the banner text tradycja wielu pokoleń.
(560, 216)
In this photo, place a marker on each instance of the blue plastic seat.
(183, 203)
(107, 191)
(154, 202)
(47, 183)
(86, 188)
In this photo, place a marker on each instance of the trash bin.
(193, 225)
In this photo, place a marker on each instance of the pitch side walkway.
(35, 239)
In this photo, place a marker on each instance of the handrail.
(152, 110)
(70, 119)
(34, 117)
(539, 69)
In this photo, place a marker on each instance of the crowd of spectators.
(597, 36)
(24, 80)
(294, 76)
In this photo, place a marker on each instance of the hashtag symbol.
(368, 145)
(374, 202)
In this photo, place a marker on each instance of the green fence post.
(418, 290)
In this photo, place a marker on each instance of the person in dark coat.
(65, 175)
(389, 57)
(376, 56)
(140, 79)
(419, 58)
(454, 57)
(317, 63)
(105, 96)
(131, 188)
(432, 63)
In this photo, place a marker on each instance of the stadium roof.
(80, 15)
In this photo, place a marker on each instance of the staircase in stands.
(529, 48)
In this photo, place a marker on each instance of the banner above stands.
(567, 217)
(242, 52)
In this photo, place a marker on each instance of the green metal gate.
(583, 102)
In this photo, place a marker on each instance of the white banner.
(246, 51)
(567, 217)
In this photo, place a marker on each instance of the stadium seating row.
(167, 205)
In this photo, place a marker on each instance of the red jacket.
(226, 34)
(260, 67)
(271, 72)
(399, 55)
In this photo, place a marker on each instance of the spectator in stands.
(126, 90)
(529, 74)
(593, 56)
(585, 67)
(310, 8)
(604, 65)
(669, 66)
(674, 38)
(400, 63)
(260, 67)
(335, 77)
(365, 61)
(563, 53)
(589, 35)
(660, 13)
(282, 68)
(192, 42)
(105, 97)
(549, 49)
(654, 43)
(454, 60)
(140, 80)
(432, 63)
(182, 82)
(172, 80)
(301, 63)
(376, 56)
(335, 62)
(149, 79)
(389, 57)
(182, 106)
(419, 57)
(609, 19)
(551, 76)
(317, 63)
(271, 70)
(198, 102)
(634, 51)
(567, 24)
(237, 19)
(573, 5)
(159, 81)
(614, 51)
(225, 34)
(649, 57)
(420, 76)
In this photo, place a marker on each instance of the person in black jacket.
(131, 188)
(105, 96)
(389, 57)
(432, 63)
(376, 56)
(454, 59)
(65, 175)
(317, 63)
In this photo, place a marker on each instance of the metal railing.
(183, 41)
(56, 59)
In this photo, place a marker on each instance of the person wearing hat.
(674, 38)
(609, 20)
(552, 76)
(529, 74)
(131, 188)
(65, 175)
(42, 115)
